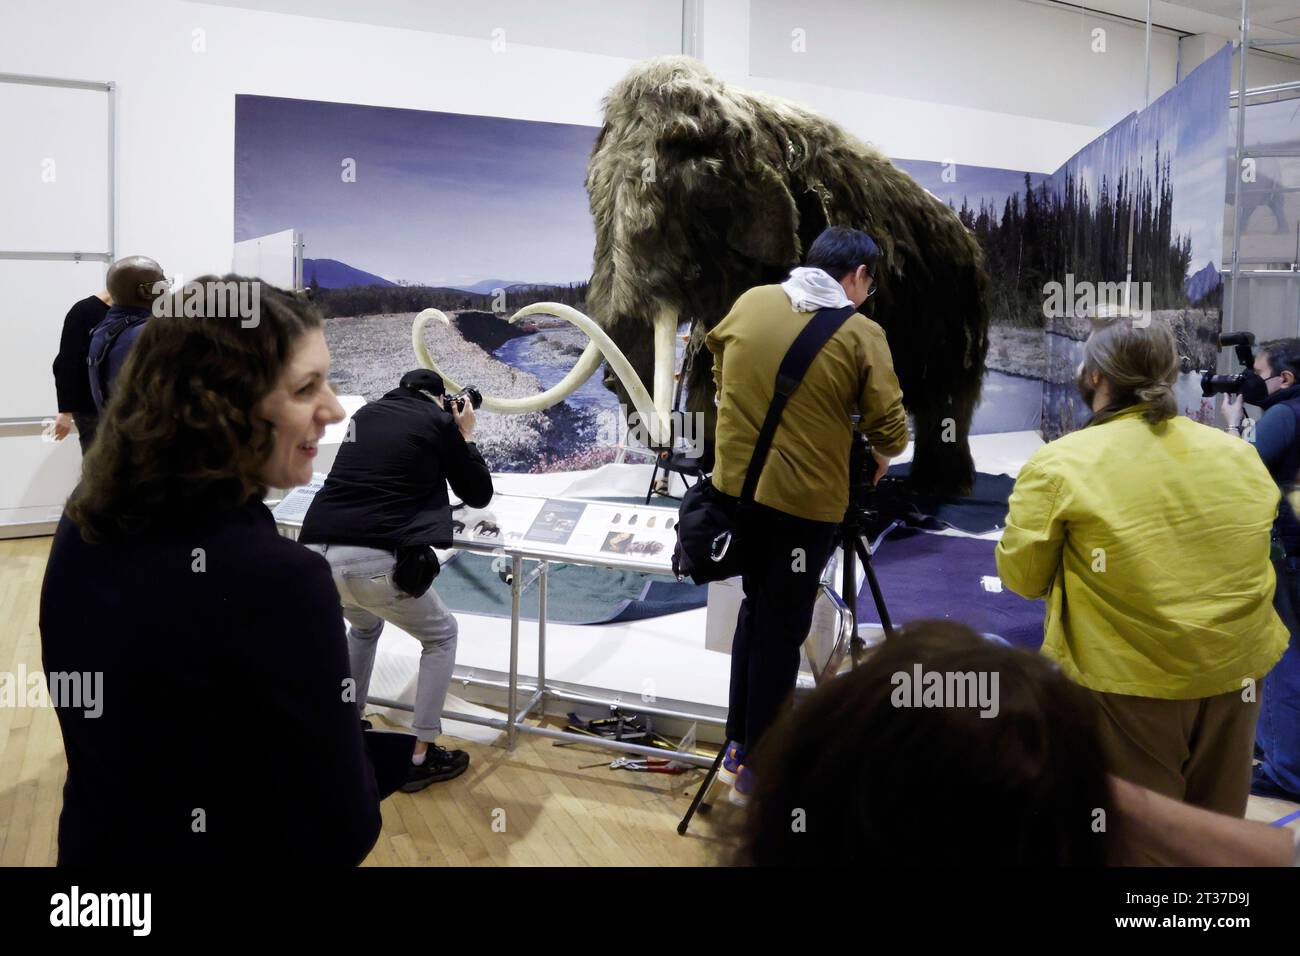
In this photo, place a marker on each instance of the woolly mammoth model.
(700, 191)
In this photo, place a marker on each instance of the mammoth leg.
(699, 397)
(941, 461)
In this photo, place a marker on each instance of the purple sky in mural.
(973, 183)
(439, 198)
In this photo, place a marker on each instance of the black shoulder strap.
(794, 366)
(97, 359)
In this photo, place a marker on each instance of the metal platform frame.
(1239, 97)
(540, 690)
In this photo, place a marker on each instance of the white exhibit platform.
(667, 658)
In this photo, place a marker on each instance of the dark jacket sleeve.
(465, 469)
(74, 345)
(317, 725)
(1274, 435)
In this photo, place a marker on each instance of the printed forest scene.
(1154, 180)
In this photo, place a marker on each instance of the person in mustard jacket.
(1148, 536)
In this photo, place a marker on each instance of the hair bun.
(1160, 401)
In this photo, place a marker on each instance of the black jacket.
(388, 486)
(71, 376)
(1284, 467)
(224, 736)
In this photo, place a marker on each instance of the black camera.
(862, 470)
(1212, 384)
(474, 396)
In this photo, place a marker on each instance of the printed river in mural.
(1009, 402)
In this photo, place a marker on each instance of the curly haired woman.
(168, 579)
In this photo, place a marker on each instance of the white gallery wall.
(1010, 83)
(176, 93)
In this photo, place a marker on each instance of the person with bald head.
(133, 283)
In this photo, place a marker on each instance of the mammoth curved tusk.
(582, 370)
(600, 347)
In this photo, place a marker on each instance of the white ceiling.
(1279, 14)
(1268, 18)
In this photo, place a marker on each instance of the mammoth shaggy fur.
(700, 191)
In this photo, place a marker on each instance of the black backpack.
(103, 338)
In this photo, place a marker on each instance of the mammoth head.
(700, 191)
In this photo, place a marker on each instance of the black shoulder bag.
(708, 544)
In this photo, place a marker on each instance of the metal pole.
(25, 79)
(1264, 90)
(112, 171)
(1132, 212)
(690, 28)
(541, 633)
(1243, 51)
(58, 256)
(517, 566)
(1146, 95)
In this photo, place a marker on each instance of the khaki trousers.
(1198, 751)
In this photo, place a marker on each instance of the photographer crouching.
(1273, 385)
(382, 510)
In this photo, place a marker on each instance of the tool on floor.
(641, 765)
(620, 727)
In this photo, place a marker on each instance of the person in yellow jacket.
(1148, 535)
(803, 488)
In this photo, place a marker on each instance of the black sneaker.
(439, 764)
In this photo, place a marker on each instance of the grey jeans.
(364, 578)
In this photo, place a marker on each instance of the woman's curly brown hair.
(179, 439)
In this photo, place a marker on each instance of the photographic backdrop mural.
(478, 216)
(1158, 176)
(402, 210)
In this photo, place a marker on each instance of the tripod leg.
(654, 476)
(849, 579)
(865, 555)
(704, 789)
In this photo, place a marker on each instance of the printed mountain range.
(333, 274)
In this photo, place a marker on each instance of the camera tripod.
(850, 538)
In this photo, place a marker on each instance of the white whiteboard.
(54, 197)
(53, 169)
(34, 298)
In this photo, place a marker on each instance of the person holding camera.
(376, 520)
(802, 492)
(1273, 385)
(1146, 533)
